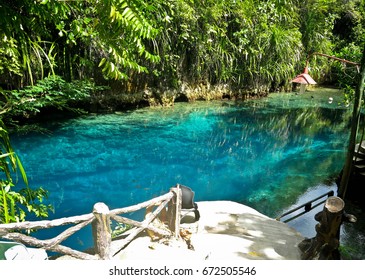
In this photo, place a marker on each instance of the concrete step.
(359, 155)
(360, 148)
(358, 160)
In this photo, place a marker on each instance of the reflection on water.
(263, 153)
(352, 238)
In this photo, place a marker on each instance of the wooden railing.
(308, 206)
(100, 219)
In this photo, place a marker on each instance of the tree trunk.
(347, 170)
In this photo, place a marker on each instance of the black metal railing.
(308, 206)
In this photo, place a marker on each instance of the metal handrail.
(307, 207)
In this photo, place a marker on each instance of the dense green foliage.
(251, 44)
(16, 204)
(54, 53)
(51, 92)
(247, 44)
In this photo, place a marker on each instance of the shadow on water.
(263, 153)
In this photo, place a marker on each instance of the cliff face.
(119, 97)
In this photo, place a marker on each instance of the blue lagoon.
(264, 153)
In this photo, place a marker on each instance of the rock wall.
(118, 99)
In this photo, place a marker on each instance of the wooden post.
(325, 244)
(302, 88)
(102, 231)
(174, 207)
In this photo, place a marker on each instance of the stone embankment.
(116, 99)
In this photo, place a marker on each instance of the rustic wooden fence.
(100, 220)
(308, 206)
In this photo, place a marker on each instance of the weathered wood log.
(175, 211)
(66, 234)
(139, 224)
(4, 228)
(143, 226)
(44, 224)
(326, 242)
(34, 242)
(100, 219)
(47, 244)
(102, 231)
(74, 253)
(142, 205)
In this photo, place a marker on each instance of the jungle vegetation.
(108, 54)
(142, 48)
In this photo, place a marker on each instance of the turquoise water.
(264, 153)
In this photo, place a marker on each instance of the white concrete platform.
(225, 231)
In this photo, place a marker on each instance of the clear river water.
(269, 154)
